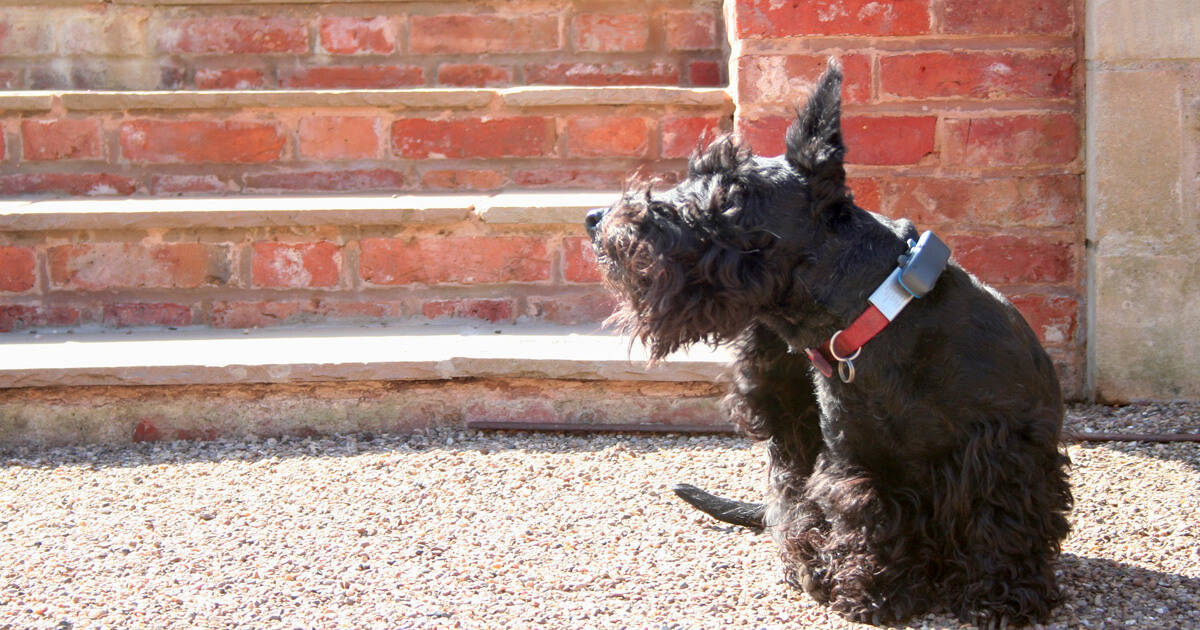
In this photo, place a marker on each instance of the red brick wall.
(344, 149)
(962, 115)
(361, 45)
(251, 277)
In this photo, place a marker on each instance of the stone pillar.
(1143, 199)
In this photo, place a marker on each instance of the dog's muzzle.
(594, 217)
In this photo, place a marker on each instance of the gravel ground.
(489, 530)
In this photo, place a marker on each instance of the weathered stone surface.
(1145, 339)
(1143, 191)
(430, 352)
(615, 95)
(1142, 29)
(243, 211)
(533, 207)
(418, 98)
(249, 211)
(1137, 163)
(26, 101)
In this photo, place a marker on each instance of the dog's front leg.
(773, 399)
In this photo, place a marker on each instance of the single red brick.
(229, 78)
(473, 75)
(374, 310)
(357, 35)
(574, 178)
(476, 33)
(977, 75)
(682, 135)
(296, 265)
(197, 141)
(17, 266)
(1047, 201)
(1012, 140)
(140, 314)
(603, 32)
(339, 137)
(888, 140)
(61, 139)
(98, 266)
(458, 259)
(866, 192)
(580, 261)
(764, 135)
(786, 79)
(607, 136)
(327, 181)
(618, 73)
(523, 136)
(1054, 319)
(19, 316)
(352, 77)
(489, 310)
(772, 18)
(691, 30)
(462, 179)
(234, 35)
(999, 17)
(571, 310)
(705, 74)
(1008, 259)
(254, 314)
(91, 184)
(183, 184)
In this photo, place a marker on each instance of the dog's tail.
(750, 515)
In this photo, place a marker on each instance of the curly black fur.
(934, 480)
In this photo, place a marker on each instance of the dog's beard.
(662, 305)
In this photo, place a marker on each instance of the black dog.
(914, 470)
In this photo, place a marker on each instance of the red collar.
(919, 269)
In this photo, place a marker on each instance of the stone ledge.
(399, 353)
(559, 96)
(251, 211)
(542, 207)
(416, 98)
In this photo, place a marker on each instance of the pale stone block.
(1137, 169)
(1146, 344)
(1142, 29)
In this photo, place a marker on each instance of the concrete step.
(532, 207)
(201, 384)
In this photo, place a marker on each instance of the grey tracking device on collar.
(921, 265)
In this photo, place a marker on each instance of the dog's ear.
(814, 139)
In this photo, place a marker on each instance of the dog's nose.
(594, 217)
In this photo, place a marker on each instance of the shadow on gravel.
(1160, 599)
(1187, 453)
(255, 449)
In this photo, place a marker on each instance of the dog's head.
(697, 262)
